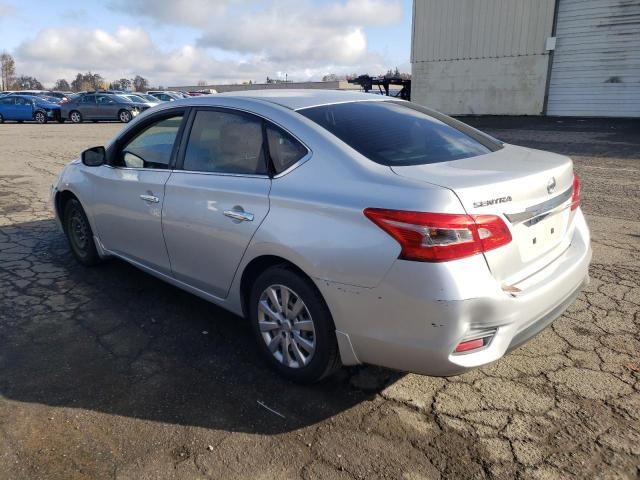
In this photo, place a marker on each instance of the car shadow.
(116, 340)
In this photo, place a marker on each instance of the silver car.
(101, 106)
(347, 228)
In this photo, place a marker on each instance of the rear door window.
(283, 148)
(400, 133)
(225, 142)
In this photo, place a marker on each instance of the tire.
(40, 117)
(79, 234)
(306, 365)
(124, 116)
(75, 116)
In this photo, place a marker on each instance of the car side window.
(87, 99)
(152, 147)
(22, 101)
(283, 148)
(8, 101)
(104, 100)
(225, 142)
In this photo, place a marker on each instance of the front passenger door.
(216, 200)
(88, 107)
(129, 193)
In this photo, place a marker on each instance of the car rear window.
(400, 133)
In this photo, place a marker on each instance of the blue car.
(28, 107)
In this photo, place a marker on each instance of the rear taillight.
(576, 197)
(440, 237)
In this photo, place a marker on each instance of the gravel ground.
(110, 373)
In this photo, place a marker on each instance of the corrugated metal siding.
(596, 64)
(470, 29)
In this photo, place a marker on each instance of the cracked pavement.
(110, 373)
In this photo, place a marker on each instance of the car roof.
(297, 99)
(30, 96)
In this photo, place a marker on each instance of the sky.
(181, 42)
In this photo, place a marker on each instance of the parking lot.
(110, 373)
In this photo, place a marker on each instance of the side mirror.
(94, 157)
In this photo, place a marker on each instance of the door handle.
(150, 198)
(238, 215)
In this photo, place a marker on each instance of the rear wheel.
(293, 326)
(75, 117)
(40, 117)
(124, 116)
(79, 234)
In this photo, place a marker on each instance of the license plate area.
(541, 235)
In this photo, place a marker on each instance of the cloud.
(277, 30)
(235, 40)
(55, 53)
(195, 13)
(6, 9)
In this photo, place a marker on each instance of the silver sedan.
(346, 228)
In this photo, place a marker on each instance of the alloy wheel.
(125, 116)
(75, 117)
(40, 117)
(286, 326)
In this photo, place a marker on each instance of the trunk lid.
(529, 189)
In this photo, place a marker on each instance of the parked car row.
(41, 106)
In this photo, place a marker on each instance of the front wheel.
(40, 117)
(124, 116)
(79, 234)
(293, 326)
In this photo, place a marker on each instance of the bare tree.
(26, 82)
(62, 85)
(140, 84)
(331, 77)
(202, 83)
(87, 81)
(7, 70)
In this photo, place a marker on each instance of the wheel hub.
(286, 326)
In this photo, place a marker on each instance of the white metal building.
(527, 57)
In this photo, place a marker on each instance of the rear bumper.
(420, 312)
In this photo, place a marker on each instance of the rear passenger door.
(106, 107)
(23, 109)
(216, 198)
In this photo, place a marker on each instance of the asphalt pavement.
(110, 373)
